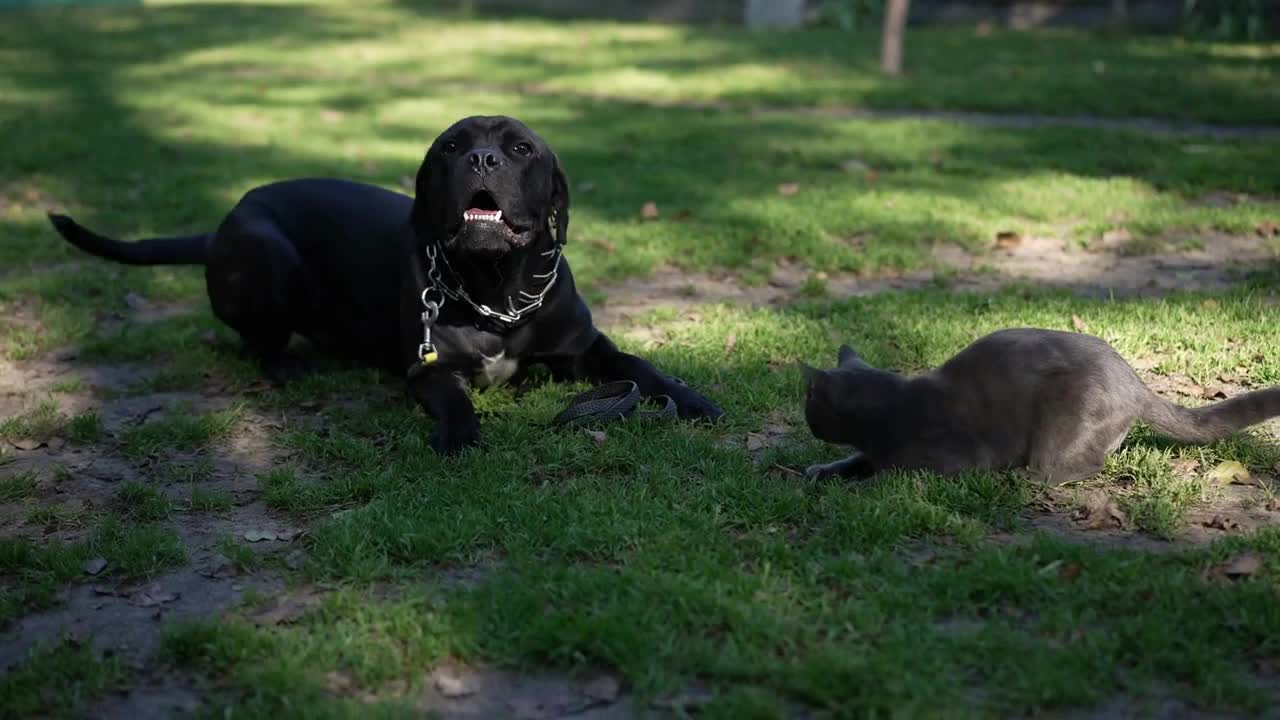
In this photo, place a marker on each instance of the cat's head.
(844, 404)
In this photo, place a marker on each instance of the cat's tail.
(186, 250)
(1211, 422)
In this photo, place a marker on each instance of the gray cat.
(1056, 403)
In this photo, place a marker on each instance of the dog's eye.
(522, 148)
(449, 147)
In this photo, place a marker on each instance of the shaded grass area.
(31, 573)
(55, 679)
(666, 554)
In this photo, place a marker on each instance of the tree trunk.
(895, 26)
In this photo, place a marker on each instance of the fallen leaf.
(1079, 324)
(603, 687)
(340, 682)
(1007, 240)
(151, 596)
(789, 188)
(28, 444)
(691, 698)
(598, 435)
(730, 342)
(854, 165)
(219, 567)
(295, 560)
(1101, 511)
(1221, 522)
(1210, 304)
(1184, 466)
(1229, 472)
(649, 211)
(282, 610)
(95, 566)
(136, 302)
(1267, 228)
(1242, 565)
(451, 682)
(254, 536)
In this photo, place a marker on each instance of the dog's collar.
(512, 314)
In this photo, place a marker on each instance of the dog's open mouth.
(483, 208)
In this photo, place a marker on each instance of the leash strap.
(612, 401)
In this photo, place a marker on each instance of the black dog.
(465, 283)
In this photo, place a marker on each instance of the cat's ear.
(849, 357)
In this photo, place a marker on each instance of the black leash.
(613, 401)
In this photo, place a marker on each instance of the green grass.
(181, 431)
(667, 553)
(18, 486)
(31, 573)
(55, 678)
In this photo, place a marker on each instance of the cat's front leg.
(854, 467)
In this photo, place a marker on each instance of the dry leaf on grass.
(295, 560)
(1100, 511)
(1229, 473)
(284, 609)
(151, 596)
(1007, 240)
(1079, 324)
(788, 188)
(136, 302)
(452, 682)
(340, 682)
(1236, 567)
(1221, 522)
(689, 700)
(730, 343)
(1184, 466)
(602, 687)
(649, 211)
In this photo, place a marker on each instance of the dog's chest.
(495, 369)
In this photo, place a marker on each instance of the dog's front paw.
(453, 437)
(692, 406)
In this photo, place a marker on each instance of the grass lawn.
(684, 561)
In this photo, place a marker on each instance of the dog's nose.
(484, 160)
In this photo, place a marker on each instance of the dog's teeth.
(498, 216)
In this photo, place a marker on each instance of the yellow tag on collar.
(430, 357)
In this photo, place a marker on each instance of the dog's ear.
(848, 357)
(813, 377)
(421, 191)
(559, 213)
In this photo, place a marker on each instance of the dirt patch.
(125, 619)
(1107, 269)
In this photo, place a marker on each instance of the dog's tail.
(1211, 422)
(185, 250)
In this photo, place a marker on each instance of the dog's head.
(488, 186)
